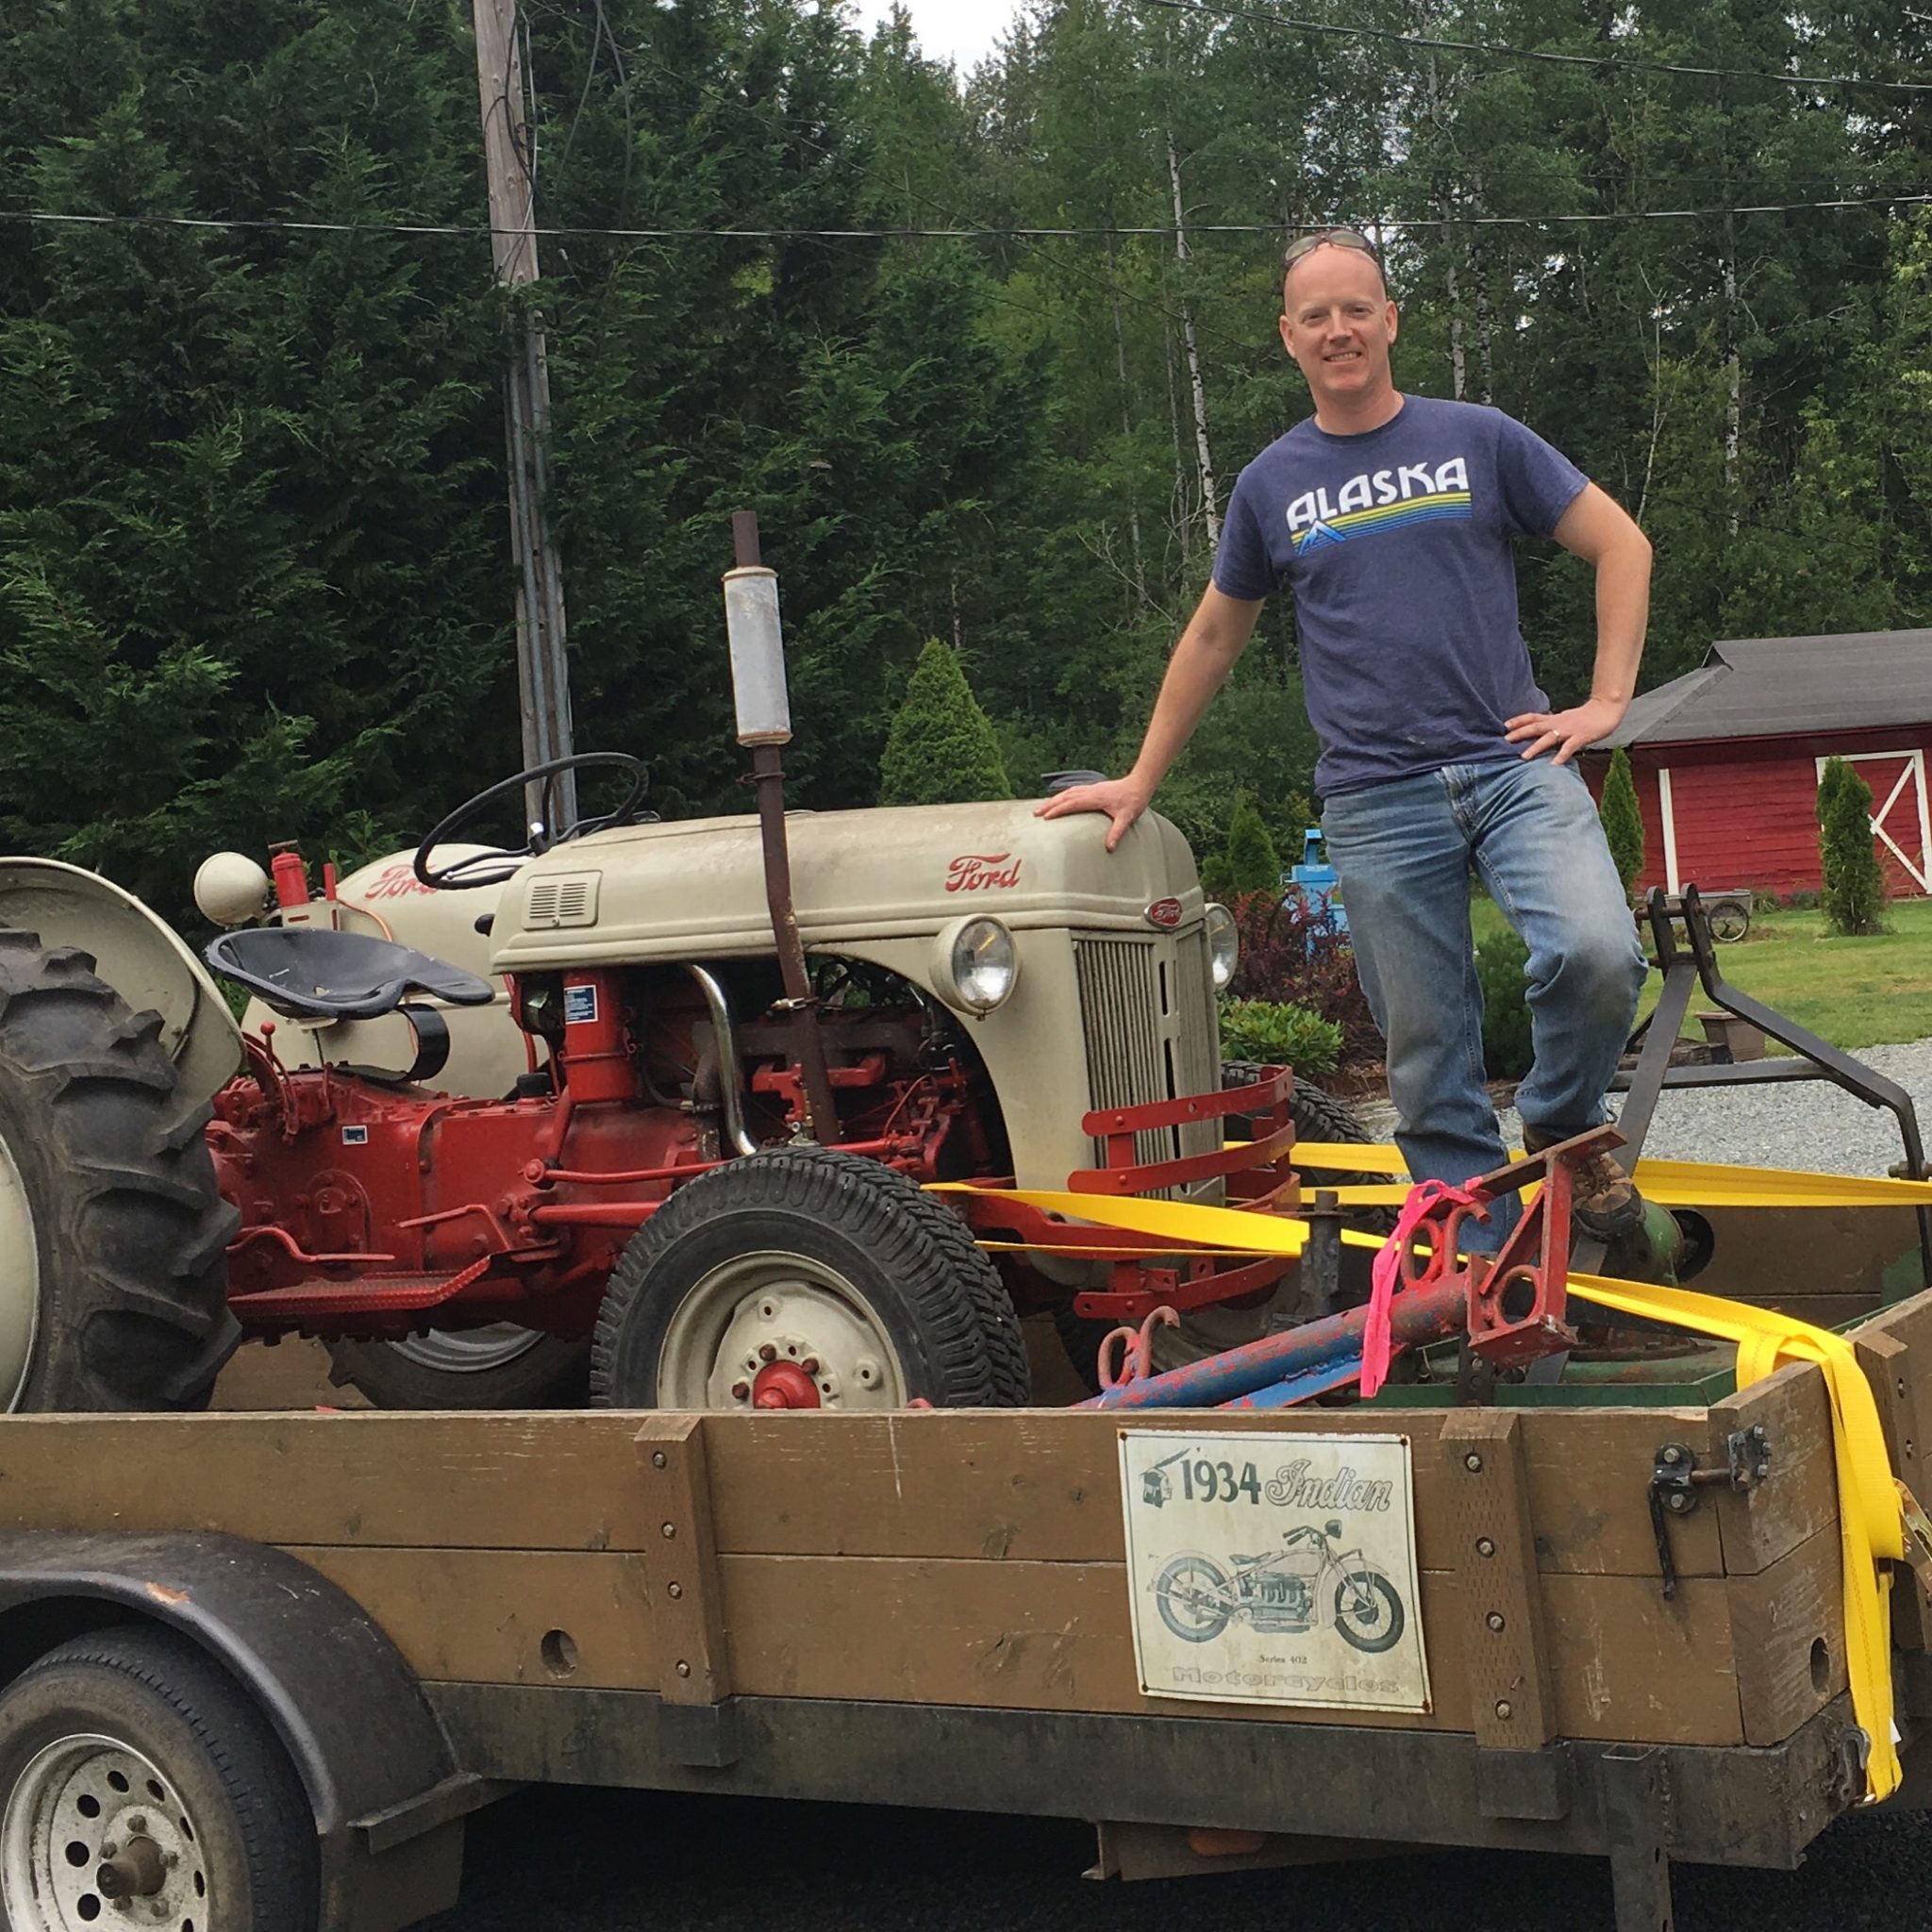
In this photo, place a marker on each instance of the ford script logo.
(1165, 913)
(978, 871)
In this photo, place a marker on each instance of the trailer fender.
(148, 965)
(373, 1759)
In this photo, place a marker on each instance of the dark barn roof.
(1778, 687)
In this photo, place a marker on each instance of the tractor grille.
(1147, 1018)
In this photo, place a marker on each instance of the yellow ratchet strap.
(1871, 1524)
(1668, 1183)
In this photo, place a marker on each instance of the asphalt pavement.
(560, 1860)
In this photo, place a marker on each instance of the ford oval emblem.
(1165, 913)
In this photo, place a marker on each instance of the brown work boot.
(1604, 1200)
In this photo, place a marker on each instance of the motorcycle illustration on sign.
(1307, 1584)
(1274, 1566)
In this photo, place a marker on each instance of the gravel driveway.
(1810, 1124)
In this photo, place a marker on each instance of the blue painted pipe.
(1417, 1317)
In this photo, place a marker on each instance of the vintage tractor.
(650, 1106)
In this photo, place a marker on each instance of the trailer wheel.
(140, 1786)
(500, 1366)
(806, 1278)
(113, 1235)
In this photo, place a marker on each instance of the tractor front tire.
(113, 1235)
(803, 1277)
(501, 1366)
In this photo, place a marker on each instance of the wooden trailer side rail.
(934, 1609)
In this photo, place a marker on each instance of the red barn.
(1727, 760)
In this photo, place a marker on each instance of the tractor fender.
(377, 1770)
(142, 960)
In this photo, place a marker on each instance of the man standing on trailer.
(1388, 518)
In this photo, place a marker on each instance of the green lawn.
(1854, 992)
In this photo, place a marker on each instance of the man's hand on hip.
(1120, 799)
(1565, 732)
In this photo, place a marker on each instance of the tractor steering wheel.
(492, 868)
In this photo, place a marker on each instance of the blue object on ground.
(1314, 880)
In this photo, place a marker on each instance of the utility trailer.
(387, 1618)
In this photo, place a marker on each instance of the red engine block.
(369, 1208)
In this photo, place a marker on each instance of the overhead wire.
(988, 232)
(1492, 50)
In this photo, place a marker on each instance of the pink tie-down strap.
(1424, 1200)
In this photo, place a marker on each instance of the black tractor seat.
(324, 975)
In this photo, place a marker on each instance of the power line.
(1220, 9)
(991, 232)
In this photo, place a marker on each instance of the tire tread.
(135, 1180)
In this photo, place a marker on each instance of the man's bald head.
(1306, 247)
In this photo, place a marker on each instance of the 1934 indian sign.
(1274, 1569)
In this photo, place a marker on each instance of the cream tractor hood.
(695, 889)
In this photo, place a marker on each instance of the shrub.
(1279, 1035)
(1854, 882)
(1292, 956)
(1500, 962)
(1621, 820)
(941, 749)
(1252, 864)
(1831, 783)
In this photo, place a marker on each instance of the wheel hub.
(95, 1835)
(773, 1330)
(783, 1385)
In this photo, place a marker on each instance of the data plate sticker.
(580, 1006)
(1269, 1569)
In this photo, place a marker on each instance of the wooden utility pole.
(543, 670)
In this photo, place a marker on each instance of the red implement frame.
(1516, 1303)
(1238, 1161)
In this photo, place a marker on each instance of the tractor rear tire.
(114, 1233)
(803, 1256)
(497, 1367)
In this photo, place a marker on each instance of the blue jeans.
(1530, 832)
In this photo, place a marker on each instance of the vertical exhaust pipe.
(764, 726)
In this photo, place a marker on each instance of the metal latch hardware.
(1676, 1484)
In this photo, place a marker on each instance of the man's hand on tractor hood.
(1121, 799)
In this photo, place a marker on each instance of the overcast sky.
(962, 31)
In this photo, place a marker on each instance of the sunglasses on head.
(1328, 238)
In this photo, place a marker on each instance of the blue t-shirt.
(1395, 544)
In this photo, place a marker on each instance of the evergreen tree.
(1855, 893)
(1832, 780)
(1251, 862)
(1621, 820)
(941, 749)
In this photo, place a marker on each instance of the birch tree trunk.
(1210, 504)
(1734, 375)
(1120, 363)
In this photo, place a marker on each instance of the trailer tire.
(497, 1367)
(128, 1758)
(815, 1255)
(114, 1233)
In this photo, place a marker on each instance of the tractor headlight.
(1224, 946)
(975, 964)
